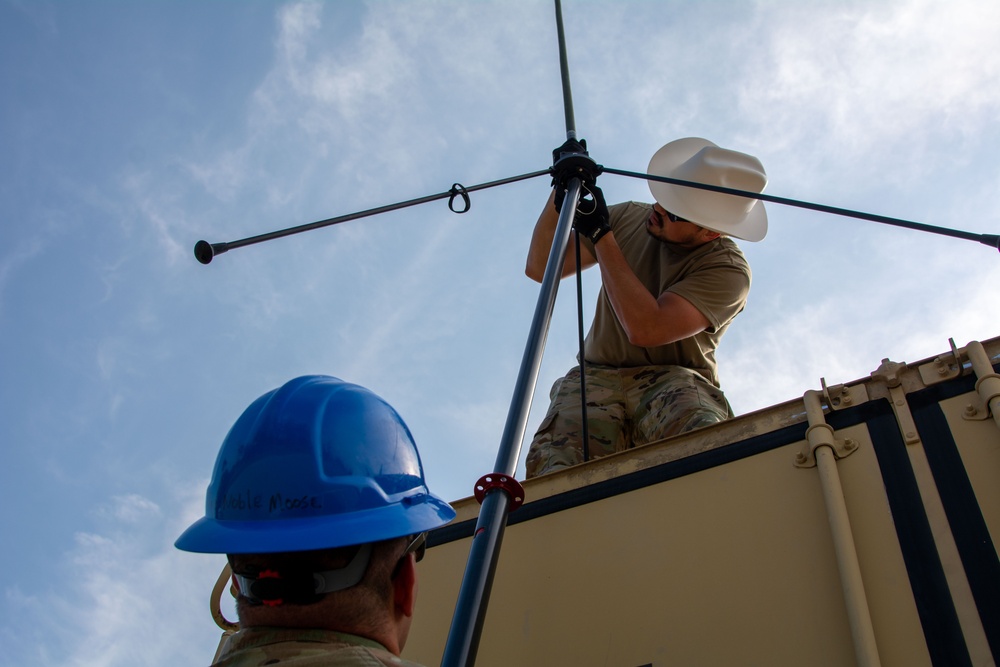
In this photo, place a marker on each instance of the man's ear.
(404, 586)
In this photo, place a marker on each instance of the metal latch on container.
(840, 396)
(943, 368)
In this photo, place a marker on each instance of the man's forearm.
(541, 241)
(648, 320)
(541, 245)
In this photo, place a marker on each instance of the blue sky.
(130, 130)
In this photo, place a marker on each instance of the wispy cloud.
(124, 596)
(889, 78)
(785, 350)
(130, 508)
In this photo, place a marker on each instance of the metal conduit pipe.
(821, 441)
(988, 384)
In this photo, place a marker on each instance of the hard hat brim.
(415, 514)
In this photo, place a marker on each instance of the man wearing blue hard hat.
(319, 501)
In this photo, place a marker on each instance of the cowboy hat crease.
(701, 161)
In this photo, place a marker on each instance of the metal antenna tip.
(203, 252)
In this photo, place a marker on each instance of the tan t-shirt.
(714, 277)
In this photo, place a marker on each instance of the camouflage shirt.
(255, 647)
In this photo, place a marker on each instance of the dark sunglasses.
(674, 218)
(417, 547)
(670, 216)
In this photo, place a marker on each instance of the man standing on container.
(672, 282)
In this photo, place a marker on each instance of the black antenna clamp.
(571, 160)
(458, 190)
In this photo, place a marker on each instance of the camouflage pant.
(626, 407)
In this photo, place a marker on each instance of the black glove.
(568, 161)
(592, 219)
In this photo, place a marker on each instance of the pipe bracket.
(822, 435)
(987, 391)
(976, 411)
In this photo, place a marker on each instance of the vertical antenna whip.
(564, 73)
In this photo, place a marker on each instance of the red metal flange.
(499, 480)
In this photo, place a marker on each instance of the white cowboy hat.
(701, 161)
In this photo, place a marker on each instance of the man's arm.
(648, 321)
(541, 245)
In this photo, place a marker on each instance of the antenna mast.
(498, 499)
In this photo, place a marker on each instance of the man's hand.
(592, 219)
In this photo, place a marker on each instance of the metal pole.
(473, 597)
(564, 73)
(821, 438)
(585, 431)
(992, 240)
(205, 251)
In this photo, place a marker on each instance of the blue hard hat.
(315, 464)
